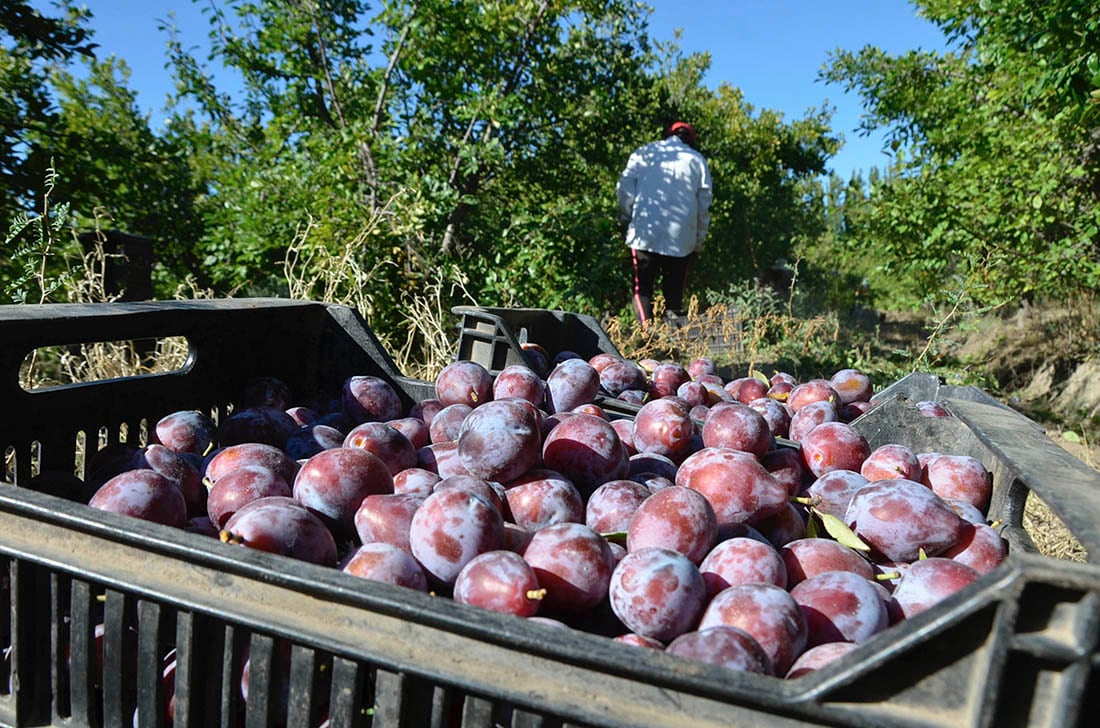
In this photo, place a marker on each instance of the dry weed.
(723, 333)
(317, 272)
(431, 342)
(693, 335)
(1049, 534)
(321, 272)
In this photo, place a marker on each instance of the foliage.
(407, 138)
(1053, 48)
(32, 43)
(118, 171)
(487, 135)
(995, 181)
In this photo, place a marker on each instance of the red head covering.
(685, 127)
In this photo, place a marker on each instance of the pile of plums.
(746, 523)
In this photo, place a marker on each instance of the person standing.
(664, 199)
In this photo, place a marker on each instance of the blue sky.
(770, 49)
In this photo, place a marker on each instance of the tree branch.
(365, 155)
(326, 73)
(473, 180)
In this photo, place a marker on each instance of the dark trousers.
(673, 272)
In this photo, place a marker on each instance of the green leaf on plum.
(840, 531)
(812, 528)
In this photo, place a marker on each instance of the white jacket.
(665, 193)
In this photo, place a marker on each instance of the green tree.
(32, 45)
(995, 184)
(466, 124)
(79, 128)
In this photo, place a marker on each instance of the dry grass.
(683, 339)
(749, 339)
(1047, 531)
(431, 341)
(332, 274)
(320, 271)
(1049, 534)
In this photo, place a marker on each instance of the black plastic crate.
(1019, 647)
(493, 337)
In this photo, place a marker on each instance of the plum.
(370, 399)
(664, 426)
(742, 560)
(447, 423)
(281, 526)
(810, 416)
(620, 376)
(144, 494)
(385, 563)
(521, 382)
(737, 486)
(852, 385)
(840, 606)
(657, 593)
(728, 647)
(818, 657)
(765, 611)
(667, 379)
(807, 557)
(613, 504)
(186, 431)
(500, 440)
(738, 427)
(385, 442)
(958, 476)
(242, 485)
(501, 581)
(834, 446)
(333, 483)
(573, 563)
(676, 518)
(257, 424)
(891, 461)
(250, 453)
(929, 581)
(586, 450)
(386, 518)
(572, 383)
(542, 497)
(449, 529)
(746, 389)
(900, 518)
(814, 390)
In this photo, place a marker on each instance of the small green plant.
(37, 241)
(959, 311)
(747, 298)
